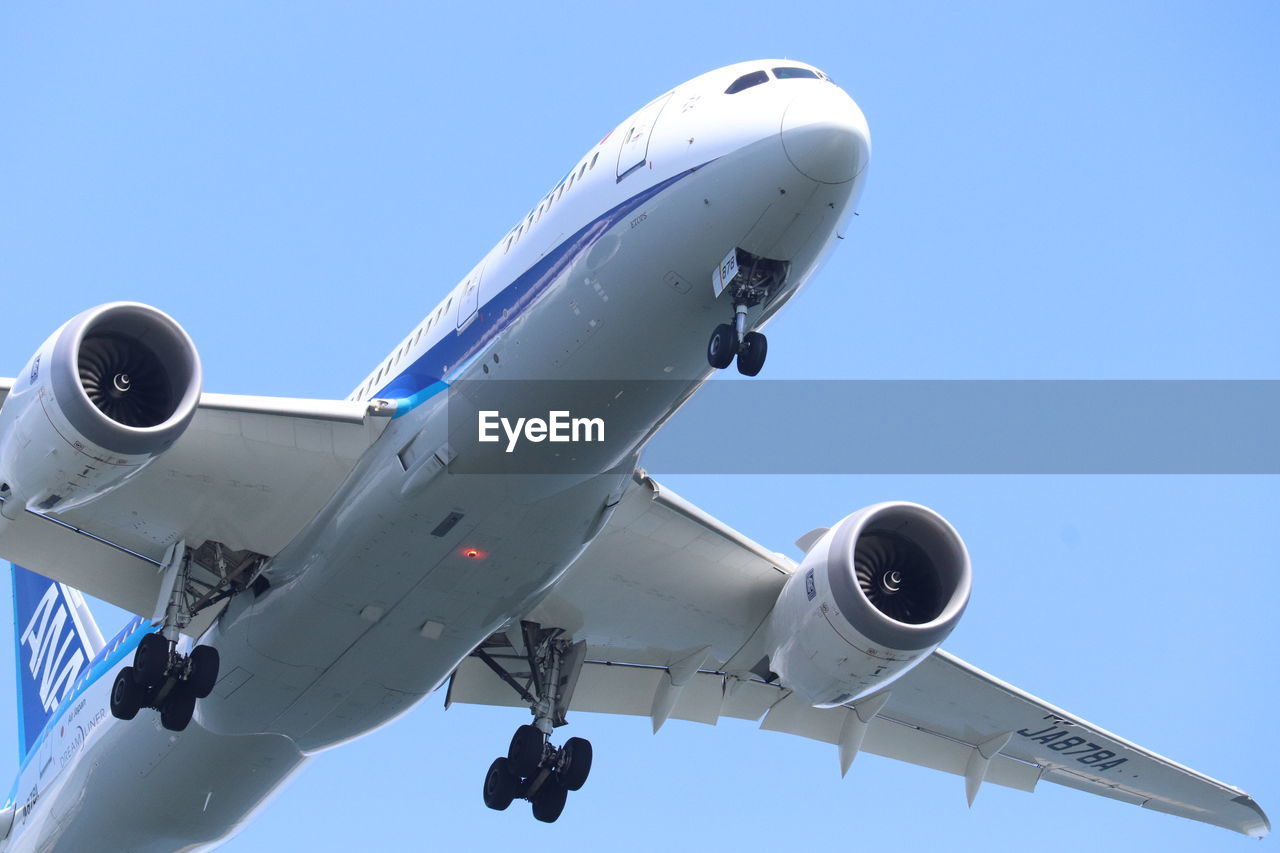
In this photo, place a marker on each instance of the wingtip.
(1260, 828)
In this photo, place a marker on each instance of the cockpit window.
(746, 81)
(792, 73)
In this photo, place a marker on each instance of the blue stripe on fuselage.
(428, 374)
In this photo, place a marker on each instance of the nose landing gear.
(751, 353)
(756, 280)
(724, 345)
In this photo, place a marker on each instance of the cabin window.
(746, 81)
(594, 159)
(794, 73)
(583, 170)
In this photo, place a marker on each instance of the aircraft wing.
(248, 473)
(669, 602)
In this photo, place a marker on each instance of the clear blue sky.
(1079, 190)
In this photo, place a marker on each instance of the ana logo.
(54, 663)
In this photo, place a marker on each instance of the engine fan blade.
(125, 380)
(897, 577)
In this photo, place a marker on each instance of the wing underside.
(246, 477)
(665, 584)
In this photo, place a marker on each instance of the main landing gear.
(534, 769)
(161, 677)
(164, 679)
(756, 280)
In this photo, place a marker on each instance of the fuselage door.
(635, 143)
(469, 297)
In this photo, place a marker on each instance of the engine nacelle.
(874, 596)
(107, 393)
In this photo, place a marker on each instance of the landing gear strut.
(534, 769)
(161, 676)
(756, 280)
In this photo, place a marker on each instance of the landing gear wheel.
(755, 347)
(548, 803)
(126, 696)
(577, 763)
(204, 671)
(722, 346)
(178, 709)
(500, 785)
(150, 660)
(525, 752)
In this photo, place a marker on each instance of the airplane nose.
(825, 135)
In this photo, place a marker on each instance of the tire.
(722, 346)
(500, 785)
(577, 763)
(525, 752)
(150, 660)
(549, 802)
(755, 347)
(178, 709)
(204, 671)
(126, 696)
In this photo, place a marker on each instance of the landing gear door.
(635, 142)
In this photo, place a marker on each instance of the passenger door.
(635, 143)
(469, 297)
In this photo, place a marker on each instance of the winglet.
(1263, 827)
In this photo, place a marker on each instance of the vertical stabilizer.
(56, 638)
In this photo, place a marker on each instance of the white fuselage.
(373, 605)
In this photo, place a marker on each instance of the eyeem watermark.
(558, 426)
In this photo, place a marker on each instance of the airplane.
(473, 518)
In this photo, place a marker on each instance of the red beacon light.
(472, 553)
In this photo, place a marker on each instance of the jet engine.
(874, 596)
(106, 394)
